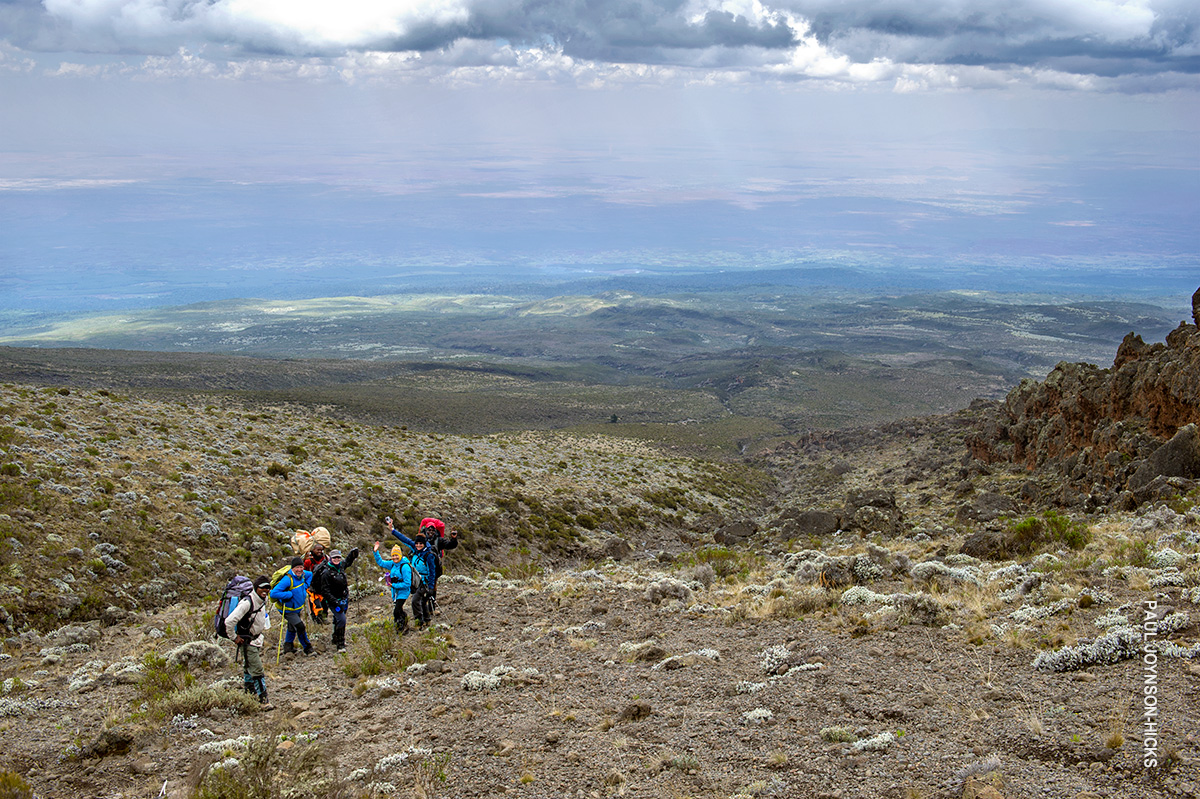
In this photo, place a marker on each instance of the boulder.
(873, 511)
(1179, 457)
(988, 545)
(987, 506)
(735, 532)
(811, 523)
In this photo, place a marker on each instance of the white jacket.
(260, 621)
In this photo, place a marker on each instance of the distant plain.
(719, 368)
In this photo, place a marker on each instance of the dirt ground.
(603, 692)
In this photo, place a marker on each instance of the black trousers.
(422, 604)
(399, 616)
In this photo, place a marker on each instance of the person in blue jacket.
(399, 571)
(425, 561)
(292, 592)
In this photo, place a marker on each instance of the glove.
(353, 552)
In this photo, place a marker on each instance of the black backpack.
(239, 588)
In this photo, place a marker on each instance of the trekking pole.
(279, 648)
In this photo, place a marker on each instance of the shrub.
(381, 650)
(260, 771)
(277, 469)
(1033, 534)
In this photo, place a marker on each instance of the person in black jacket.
(331, 583)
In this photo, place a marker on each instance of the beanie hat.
(297, 561)
(397, 552)
(261, 581)
(420, 539)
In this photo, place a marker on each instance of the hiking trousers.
(296, 629)
(399, 616)
(254, 680)
(252, 665)
(422, 605)
(339, 624)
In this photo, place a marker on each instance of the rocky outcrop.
(1100, 427)
(873, 511)
(1179, 457)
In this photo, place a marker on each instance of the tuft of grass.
(838, 735)
(14, 786)
(264, 767)
(381, 650)
(161, 679)
(197, 700)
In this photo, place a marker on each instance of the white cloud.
(910, 45)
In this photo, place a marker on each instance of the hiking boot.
(341, 647)
(308, 650)
(289, 648)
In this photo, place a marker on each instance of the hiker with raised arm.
(249, 621)
(291, 592)
(331, 583)
(399, 578)
(425, 562)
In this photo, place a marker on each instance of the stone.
(987, 545)
(812, 523)
(1179, 457)
(987, 506)
(735, 533)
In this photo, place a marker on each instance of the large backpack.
(239, 588)
(279, 574)
(305, 540)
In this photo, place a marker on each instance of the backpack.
(239, 588)
(304, 540)
(416, 577)
(437, 524)
(279, 574)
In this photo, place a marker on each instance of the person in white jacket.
(250, 620)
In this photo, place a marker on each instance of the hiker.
(435, 536)
(331, 583)
(313, 561)
(436, 540)
(250, 619)
(425, 561)
(291, 592)
(399, 571)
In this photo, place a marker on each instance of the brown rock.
(634, 712)
(735, 533)
(977, 789)
(1179, 457)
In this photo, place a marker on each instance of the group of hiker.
(315, 581)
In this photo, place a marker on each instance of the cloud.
(911, 45)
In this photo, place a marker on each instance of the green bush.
(13, 786)
(277, 469)
(1034, 534)
(379, 649)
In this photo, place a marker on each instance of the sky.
(161, 151)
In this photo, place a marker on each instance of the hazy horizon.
(157, 153)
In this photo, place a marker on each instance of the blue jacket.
(425, 560)
(292, 591)
(401, 573)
